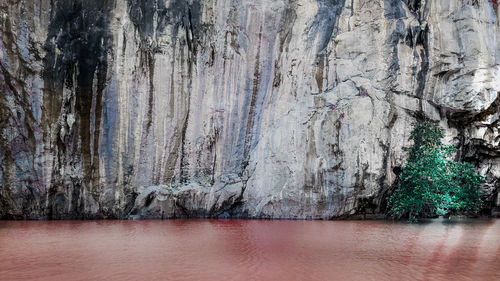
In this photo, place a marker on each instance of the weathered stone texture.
(248, 108)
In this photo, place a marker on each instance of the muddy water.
(249, 250)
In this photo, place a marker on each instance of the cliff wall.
(248, 108)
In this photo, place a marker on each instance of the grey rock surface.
(250, 108)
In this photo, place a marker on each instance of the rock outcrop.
(251, 108)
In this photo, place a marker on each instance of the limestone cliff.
(241, 108)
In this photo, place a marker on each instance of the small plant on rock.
(431, 184)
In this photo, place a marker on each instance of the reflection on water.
(249, 250)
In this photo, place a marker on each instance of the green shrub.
(430, 183)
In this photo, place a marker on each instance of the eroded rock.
(267, 109)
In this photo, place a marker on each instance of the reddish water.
(249, 250)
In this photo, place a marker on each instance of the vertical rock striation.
(251, 108)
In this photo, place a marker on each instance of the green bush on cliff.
(430, 183)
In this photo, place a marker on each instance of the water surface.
(249, 250)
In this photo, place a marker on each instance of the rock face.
(250, 108)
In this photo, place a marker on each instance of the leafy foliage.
(431, 184)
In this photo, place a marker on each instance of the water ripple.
(249, 250)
